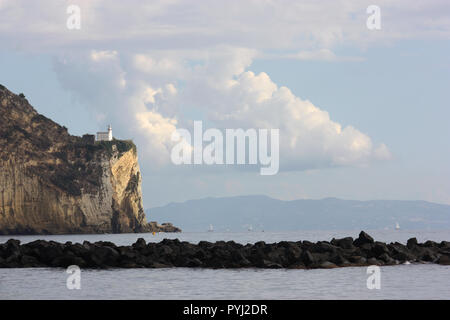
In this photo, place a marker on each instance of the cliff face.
(54, 183)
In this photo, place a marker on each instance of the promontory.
(52, 182)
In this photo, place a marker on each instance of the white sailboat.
(397, 226)
(250, 228)
(210, 229)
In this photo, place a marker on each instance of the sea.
(407, 281)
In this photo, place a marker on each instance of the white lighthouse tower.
(109, 133)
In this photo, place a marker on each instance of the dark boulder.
(307, 258)
(366, 250)
(105, 244)
(104, 256)
(30, 262)
(411, 243)
(363, 238)
(293, 253)
(194, 263)
(68, 259)
(358, 260)
(380, 248)
(400, 252)
(374, 261)
(144, 261)
(77, 249)
(3, 250)
(12, 248)
(305, 245)
(164, 251)
(444, 260)
(127, 253)
(205, 244)
(344, 243)
(217, 263)
(158, 265)
(148, 250)
(386, 259)
(13, 261)
(429, 256)
(140, 244)
(327, 265)
(444, 244)
(48, 251)
(431, 244)
(339, 260)
(267, 264)
(323, 247)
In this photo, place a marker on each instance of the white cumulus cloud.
(149, 105)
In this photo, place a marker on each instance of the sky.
(363, 114)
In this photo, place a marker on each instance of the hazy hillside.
(264, 213)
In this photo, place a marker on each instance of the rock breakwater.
(343, 252)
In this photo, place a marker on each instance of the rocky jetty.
(52, 182)
(344, 252)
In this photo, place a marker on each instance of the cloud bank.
(151, 68)
(150, 95)
(179, 24)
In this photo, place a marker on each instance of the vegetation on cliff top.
(121, 146)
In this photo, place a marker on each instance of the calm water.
(424, 281)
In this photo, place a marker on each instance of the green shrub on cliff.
(121, 145)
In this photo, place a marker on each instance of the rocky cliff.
(53, 183)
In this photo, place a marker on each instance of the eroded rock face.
(53, 183)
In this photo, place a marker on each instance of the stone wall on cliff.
(54, 183)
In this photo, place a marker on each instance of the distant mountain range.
(265, 213)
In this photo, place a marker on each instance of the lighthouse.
(105, 136)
